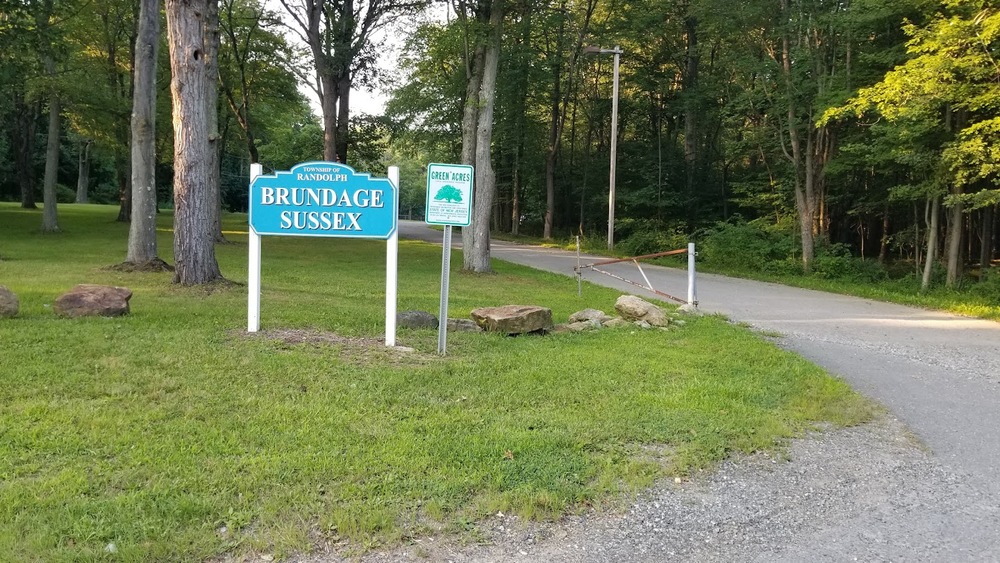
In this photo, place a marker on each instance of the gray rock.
(513, 319)
(615, 322)
(93, 300)
(688, 309)
(416, 319)
(642, 324)
(463, 325)
(589, 315)
(9, 305)
(633, 308)
(581, 326)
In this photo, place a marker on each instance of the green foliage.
(639, 237)
(743, 246)
(173, 435)
(835, 262)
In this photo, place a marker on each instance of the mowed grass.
(169, 435)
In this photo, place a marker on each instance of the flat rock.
(9, 305)
(416, 319)
(589, 315)
(93, 300)
(615, 322)
(513, 319)
(580, 326)
(463, 325)
(632, 308)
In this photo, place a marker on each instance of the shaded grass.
(175, 437)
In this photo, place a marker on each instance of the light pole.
(590, 49)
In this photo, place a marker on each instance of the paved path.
(938, 373)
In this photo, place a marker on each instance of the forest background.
(854, 138)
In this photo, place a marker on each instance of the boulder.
(633, 308)
(9, 305)
(615, 322)
(463, 325)
(589, 315)
(93, 300)
(513, 319)
(416, 319)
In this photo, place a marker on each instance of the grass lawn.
(176, 437)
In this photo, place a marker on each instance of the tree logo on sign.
(451, 194)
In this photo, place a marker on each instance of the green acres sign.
(449, 194)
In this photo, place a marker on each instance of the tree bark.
(986, 249)
(83, 173)
(142, 230)
(343, 114)
(194, 248)
(470, 113)
(477, 257)
(123, 172)
(955, 229)
(212, 43)
(691, 133)
(932, 242)
(50, 214)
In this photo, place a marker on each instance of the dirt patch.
(356, 349)
(154, 265)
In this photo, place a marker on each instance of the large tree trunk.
(142, 231)
(83, 173)
(477, 257)
(932, 242)
(50, 215)
(470, 119)
(194, 241)
(212, 43)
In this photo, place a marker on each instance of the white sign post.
(449, 203)
(324, 199)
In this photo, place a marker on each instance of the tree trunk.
(343, 115)
(194, 248)
(691, 118)
(212, 43)
(470, 119)
(883, 250)
(955, 229)
(123, 172)
(477, 257)
(986, 248)
(50, 215)
(555, 130)
(142, 231)
(932, 242)
(83, 173)
(23, 145)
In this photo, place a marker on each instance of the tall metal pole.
(614, 154)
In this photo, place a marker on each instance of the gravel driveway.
(919, 484)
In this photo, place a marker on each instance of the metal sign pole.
(445, 274)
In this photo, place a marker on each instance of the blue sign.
(323, 199)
